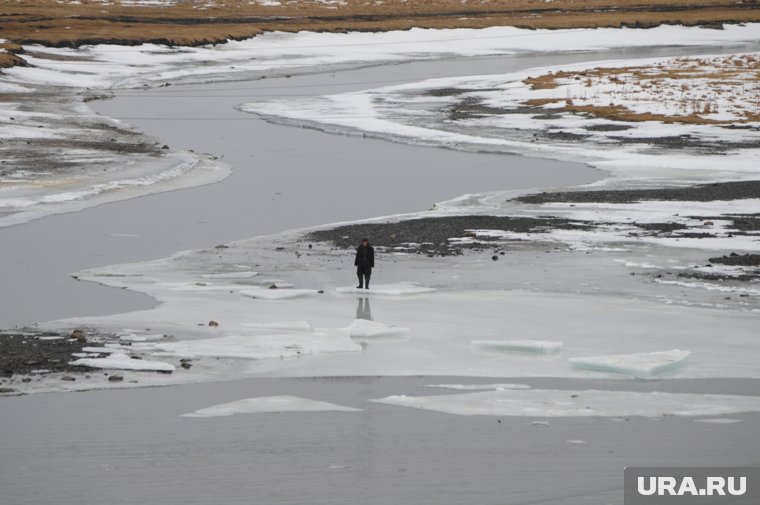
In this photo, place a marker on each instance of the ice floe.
(584, 403)
(287, 345)
(645, 365)
(122, 361)
(270, 405)
(363, 328)
(231, 275)
(398, 289)
(277, 293)
(280, 325)
(136, 337)
(528, 346)
(478, 387)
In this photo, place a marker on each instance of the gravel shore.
(431, 235)
(737, 190)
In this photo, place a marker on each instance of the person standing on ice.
(364, 262)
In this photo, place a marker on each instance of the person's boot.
(361, 283)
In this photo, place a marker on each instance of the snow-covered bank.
(510, 113)
(57, 130)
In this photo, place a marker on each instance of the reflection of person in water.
(362, 310)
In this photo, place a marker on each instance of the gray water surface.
(132, 446)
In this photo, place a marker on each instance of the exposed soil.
(431, 236)
(195, 22)
(701, 193)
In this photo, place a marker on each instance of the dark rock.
(7, 390)
(700, 193)
(68, 378)
(213, 324)
(734, 259)
(79, 336)
(115, 378)
(222, 246)
(495, 257)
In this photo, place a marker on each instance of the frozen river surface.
(133, 446)
(283, 178)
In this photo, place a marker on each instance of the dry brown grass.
(729, 76)
(540, 102)
(620, 113)
(51, 23)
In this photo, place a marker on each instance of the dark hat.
(365, 240)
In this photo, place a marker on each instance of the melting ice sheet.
(645, 365)
(554, 403)
(122, 361)
(268, 404)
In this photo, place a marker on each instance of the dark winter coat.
(365, 257)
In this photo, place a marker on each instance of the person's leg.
(367, 274)
(360, 275)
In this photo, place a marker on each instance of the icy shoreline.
(38, 119)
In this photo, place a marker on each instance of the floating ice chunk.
(50, 338)
(279, 284)
(576, 441)
(269, 404)
(103, 350)
(719, 420)
(536, 346)
(643, 365)
(141, 338)
(478, 387)
(398, 289)
(261, 347)
(231, 275)
(121, 361)
(363, 328)
(277, 294)
(553, 403)
(284, 325)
